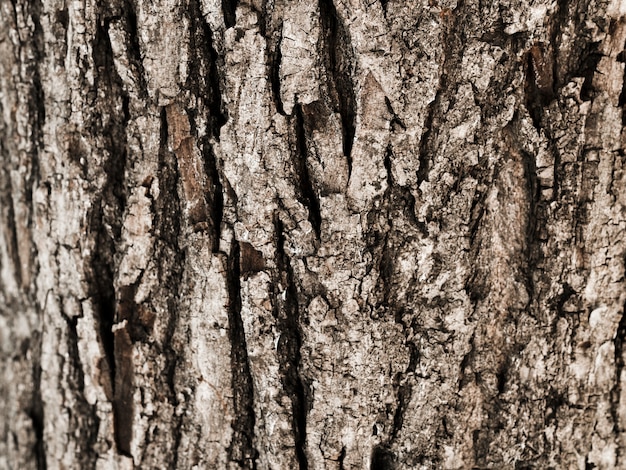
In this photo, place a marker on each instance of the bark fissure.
(36, 411)
(134, 49)
(12, 239)
(37, 108)
(302, 173)
(84, 414)
(424, 153)
(288, 318)
(620, 361)
(452, 32)
(274, 59)
(169, 225)
(102, 292)
(241, 449)
(229, 10)
(116, 342)
(205, 72)
(340, 58)
(383, 459)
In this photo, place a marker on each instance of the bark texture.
(326, 234)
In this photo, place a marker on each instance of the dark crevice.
(106, 222)
(590, 57)
(275, 58)
(288, 318)
(340, 57)
(216, 201)
(229, 10)
(342, 457)
(302, 173)
(241, 449)
(405, 391)
(533, 196)
(123, 406)
(204, 71)
(84, 415)
(134, 48)
(36, 411)
(424, 149)
(383, 459)
(383, 4)
(566, 294)
(37, 108)
(111, 128)
(102, 290)
(616, 392)
(204, 81)
(12, 241)
(535, 99)
(168, 220)
(621, 57)
(453, 40)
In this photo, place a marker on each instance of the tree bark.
(333, 234)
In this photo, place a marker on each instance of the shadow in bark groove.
(274, 59)
(616, 392)
(621, 57)
(383, 459)
(288, 317)
(36, 412)
(229, 10)
(337, 48)
(113, 197)
(307, 191)
(453, 43)
(36, 102)
(167, 213)
(83, 414)
(241, 449)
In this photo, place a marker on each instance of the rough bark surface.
(332, 234)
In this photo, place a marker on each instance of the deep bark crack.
(229, 10)
(274, 59)
(307, 191)
(241, 449)
(340, 64)
(288, 318)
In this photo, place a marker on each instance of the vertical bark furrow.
(110, 128)
(229, 10)
(204, 76)
(307, 191)
(425, 152)
(117, 344)
(617, 392)
(84, 416)
(203, 80)
(274, 60)
(289, 344)
(241, 449)
(340, 69)
(383, 459)
(169, 224)
(102, 291)
(36, 409)
(134, 49)
(11, 238)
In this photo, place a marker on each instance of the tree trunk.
(329, 234)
